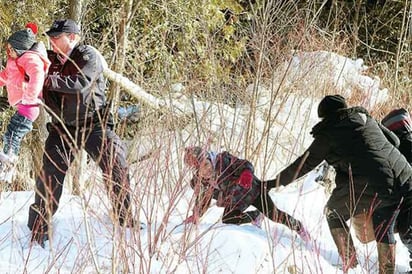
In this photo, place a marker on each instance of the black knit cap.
(63, 26)
(331, 104)
(22, 40)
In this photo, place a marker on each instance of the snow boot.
(362, 224)
(386, 258)
(38, 225)
(7, 167)
(346, 249)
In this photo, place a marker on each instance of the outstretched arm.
(312, 157)
(203, 197)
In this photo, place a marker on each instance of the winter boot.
(386, 258)
(7, 167)
(362, 224)
(38, 225)
(346, 249)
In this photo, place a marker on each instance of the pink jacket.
(18, 89)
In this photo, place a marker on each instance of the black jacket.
(356, 146)
(405, 146)
(75, 91)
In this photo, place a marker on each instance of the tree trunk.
(136, 91)
(122, 34)
(75, 13)
(76, 9)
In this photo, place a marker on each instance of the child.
(25, 71)
(231, 182)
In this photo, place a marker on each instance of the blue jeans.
(17, 128)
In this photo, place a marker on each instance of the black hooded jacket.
(75, 90)
(357, 146)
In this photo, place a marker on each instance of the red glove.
(246, 179)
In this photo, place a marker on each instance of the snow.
(86, 240)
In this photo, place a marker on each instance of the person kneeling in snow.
(231, 182)
(371, 176)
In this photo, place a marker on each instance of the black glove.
(4, 103)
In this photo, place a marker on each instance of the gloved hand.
(4, 103)
(246, 179)
(52, 81)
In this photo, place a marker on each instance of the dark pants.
(263, 204)
(17, 128)
(384, 220)
(103, 146)
(404, 227)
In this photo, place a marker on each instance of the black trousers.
(404, 228)
(103, 146)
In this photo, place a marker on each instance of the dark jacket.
(405, 146)
(400, 123)
(75, 90)
(228, 193)
(355, 145)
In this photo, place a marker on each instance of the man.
(372, 176)
(74, 95)
(230, 180)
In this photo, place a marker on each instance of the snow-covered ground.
(86, 241)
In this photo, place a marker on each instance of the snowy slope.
(86, 241)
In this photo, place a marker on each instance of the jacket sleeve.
(34, 68)
(406, 147)
(203, 196)
(392, 138)
(312, 157)
(3, 77)
(87, 67)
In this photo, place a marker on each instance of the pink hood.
(35, 65)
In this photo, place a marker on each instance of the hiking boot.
(131, 223)
(346, 249)
(40, 238)
(7, 158)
